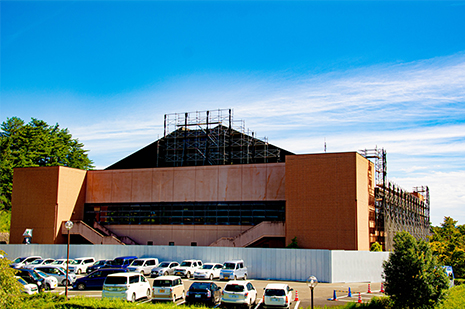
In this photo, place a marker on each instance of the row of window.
(208, 213)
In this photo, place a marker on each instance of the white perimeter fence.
(262, 263)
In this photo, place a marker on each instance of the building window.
(194, 244)
(149, 243)
(171, 243)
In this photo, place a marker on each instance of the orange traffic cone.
(369, 288)
(296, 296)
(359, 298)
(382, 288)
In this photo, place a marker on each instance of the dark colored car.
(96, 279)
(120, 262)
(204, 292)
(30, 276)
(97, 265)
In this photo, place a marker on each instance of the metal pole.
(312, 298)
(67, 266)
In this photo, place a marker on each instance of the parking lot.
(322, 292)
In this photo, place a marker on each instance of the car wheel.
(79, 271)
(211, 276)
(133, 297)
(245, 276)
(235, 277)
(81, 286)
(149, 294)
(65, 282)
(174, 298)
(188, 275)
(166, 273)
(47, 287)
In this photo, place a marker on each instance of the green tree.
(376, 247)
(413, 277)
(448, 245)
(293, 244)
(35, 144)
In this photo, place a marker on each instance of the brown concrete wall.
(322, 206)
(181, 235)
(248, 182)
(71, 198)
(43, 197)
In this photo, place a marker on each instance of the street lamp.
(68, 225)
(312, 281)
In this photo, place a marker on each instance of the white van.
(129, 286)
(79, 266)
(143, 266)
(233, 270)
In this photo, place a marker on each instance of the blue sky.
(358, 74)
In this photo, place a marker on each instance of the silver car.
(58, 273)
(165, 268)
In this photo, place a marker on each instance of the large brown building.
(217, 186)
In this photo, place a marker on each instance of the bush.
(413, 277)
(10, 288)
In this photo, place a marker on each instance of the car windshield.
(199, 286)
(20, 280)
(234, 288)
(73, 262)
(42, 274)
(98, 263)
(137, 263)
(79, 261)
(186, 264)
(162, 283)
(35, 262)
(58, 262)
(18, 260)
(229, 266)
(116, 280)
(114, 263)
(164, 264)
(274, 292)
(206, 266)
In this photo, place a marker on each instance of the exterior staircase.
(102, 236)
(255, 233)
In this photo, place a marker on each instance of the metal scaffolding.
(213, 138)
(395, 209)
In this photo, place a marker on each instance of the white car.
(51, 282)
(208, 271)
(187, 268)
(143, 266)
(129, 286)
(28, 288)
(239, 293)
(165, 268)
(21, 262)
(277, 295)
(168, 288)
(59, 273)
(39, 262)
(79, 265)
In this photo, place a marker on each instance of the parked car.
(28, 288)
(165, 268)
(239, 293)
(61, 263)
(31, 277)
(204, 292)
(277, 295)
(59, 273)
(20, 262)
(39, 262)
(51, 282)
(96, 279)
(234, 269)
(168, 288)
(208, 271)
(187, 268)
(120, 262)
(79, 265)
(143, 266)
(129, 286)
(96, 265)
